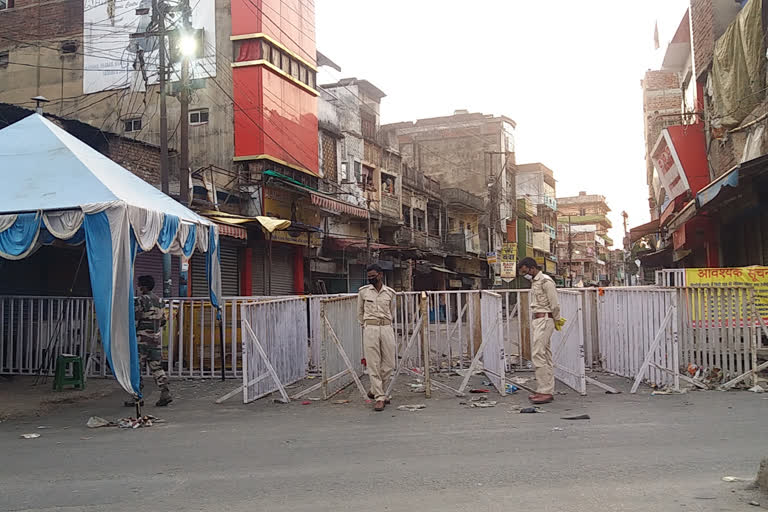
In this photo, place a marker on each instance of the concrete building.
(583, 244)
(471, 151)
(536, 187)
(711, 159)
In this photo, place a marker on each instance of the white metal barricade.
(342, 344)
(274, 346)
(638, 335)
(568, 343)
(494, 362)
(34, 331)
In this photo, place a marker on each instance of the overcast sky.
(567, 72)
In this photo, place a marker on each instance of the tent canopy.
(44, 167)
(57, 187)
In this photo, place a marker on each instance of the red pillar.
(246, 271)
(298, 270)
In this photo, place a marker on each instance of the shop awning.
(639, 232)
(660, 258)
(708, 194)
(335, 205)
(232, 231)
(687, 213)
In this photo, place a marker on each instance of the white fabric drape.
(146, 226)
(63, 225)
(202, 238)
(7, 221)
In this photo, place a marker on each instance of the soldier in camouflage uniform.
(150, 318)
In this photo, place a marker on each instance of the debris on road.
(340, 402)
(731, 479)
(668, 391)
(511, 388)
(557, 429)
(144, 421)
(531, 410)
(306, 402)
(411, 407)
(519, 380)
(96, 422)
(418, 387)
(757, 389)
(754, 503)
(480, 402)
(579, 417)
(30, 436)
(479, 390)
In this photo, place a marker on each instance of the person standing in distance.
(150, 319)
(375, 311)
(545, 309)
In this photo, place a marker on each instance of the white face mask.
(528, 276)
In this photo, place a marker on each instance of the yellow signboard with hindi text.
(755, 277)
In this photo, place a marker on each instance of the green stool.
(78, 375)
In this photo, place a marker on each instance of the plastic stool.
(78, 375)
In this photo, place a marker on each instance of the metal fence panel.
(494, 361)
(280, 328)
(568, 343)
(340, 323)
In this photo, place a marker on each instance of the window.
(5, 58)
(198, 116)
(358, 172)
(582, 212)
(6, 4)
(344, 175)
(133, 125)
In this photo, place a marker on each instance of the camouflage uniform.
(150, 318)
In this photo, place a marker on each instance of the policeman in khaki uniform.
(546, 311)
(375, 310)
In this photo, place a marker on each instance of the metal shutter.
(230, 275)
(282, 269)
(258, 270)
(151, 264)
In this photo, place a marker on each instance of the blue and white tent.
(57, 187)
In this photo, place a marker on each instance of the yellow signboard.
(508, 258)
(286, 205)
(756, 277)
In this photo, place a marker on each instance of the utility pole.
(186, 23)
(570, 251)
(158, 13)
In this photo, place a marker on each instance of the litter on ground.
(531, 410)
(757, 389)
(579, 417)
(340, 402)
(96, 422)
(732, 479)
(411, 407)
(30, 436)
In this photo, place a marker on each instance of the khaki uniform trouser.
(541, 354)
(379, 352)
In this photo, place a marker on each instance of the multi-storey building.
(583, 244)
(536, 187)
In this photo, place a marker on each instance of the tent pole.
(221, 346)
(269, 266)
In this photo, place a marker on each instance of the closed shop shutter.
(151, 264)
(258, 270)
(282, 269)
(230, 275)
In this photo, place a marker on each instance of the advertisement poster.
(508, 259)
(756, 277)
(117, 43)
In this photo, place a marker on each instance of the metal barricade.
(274, 346)
(568, 343)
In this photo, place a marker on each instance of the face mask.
(528, 276)
(373, 280)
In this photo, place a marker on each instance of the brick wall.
(702, 35)
(141, 159)
(31, 21)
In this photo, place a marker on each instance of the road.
(636, 453)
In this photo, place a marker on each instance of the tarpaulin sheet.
(738, 68)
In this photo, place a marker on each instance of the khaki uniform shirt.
(373, 304)
(544, 295)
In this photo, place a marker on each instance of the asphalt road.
(637, 453)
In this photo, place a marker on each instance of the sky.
(567, 72)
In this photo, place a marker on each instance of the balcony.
(460, 243)
(458, 198)
(390, 205)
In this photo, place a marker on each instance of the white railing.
(638, 334)
(342, 343)
(34, 331)
(568, 343)
(274, 345)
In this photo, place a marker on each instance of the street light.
(188, 45)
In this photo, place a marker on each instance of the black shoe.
(165, 399)
(371, 396)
